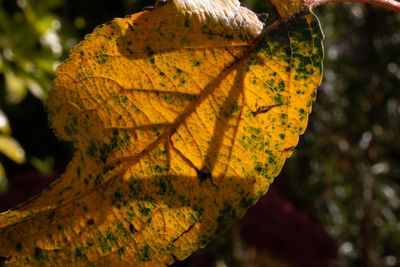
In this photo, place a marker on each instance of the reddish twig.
(389, 4)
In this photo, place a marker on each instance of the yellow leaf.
(288, 7)
(180, 122)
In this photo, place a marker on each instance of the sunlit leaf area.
(336, 201)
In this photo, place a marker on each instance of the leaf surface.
(180, 122)
(286, 8)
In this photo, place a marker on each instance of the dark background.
(337, 200)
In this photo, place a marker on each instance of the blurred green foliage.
(348, 163)
(346, 169)
(30, 48)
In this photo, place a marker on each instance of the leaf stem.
(267, 31)
(389, 4)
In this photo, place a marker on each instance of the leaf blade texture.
(286, 8)
(180, 122)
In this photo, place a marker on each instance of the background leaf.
(12, 149)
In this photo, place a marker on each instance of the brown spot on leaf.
(204, 174)
(264, 109)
